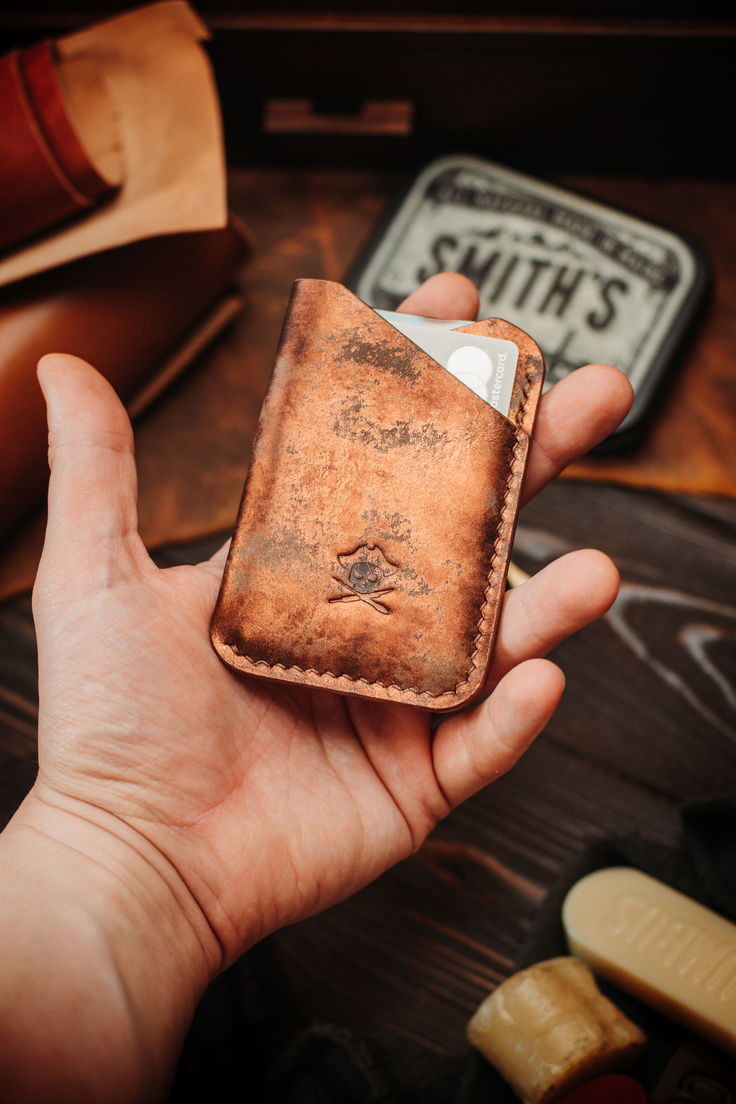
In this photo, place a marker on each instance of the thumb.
(92, 537)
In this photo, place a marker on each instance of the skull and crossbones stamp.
(366, 569)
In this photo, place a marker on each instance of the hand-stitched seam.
(528, 379)
(482, 624)
(332, 675)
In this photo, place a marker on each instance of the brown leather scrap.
(373, 540)
(124, 311)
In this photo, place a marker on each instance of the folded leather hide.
(124, 310)
(109, 135)
(373, 540)
(46, 173)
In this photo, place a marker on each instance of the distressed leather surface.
(372, 544)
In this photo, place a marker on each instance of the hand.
(258, 804)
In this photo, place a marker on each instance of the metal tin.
(589, 282)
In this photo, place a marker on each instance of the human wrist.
(110, 948)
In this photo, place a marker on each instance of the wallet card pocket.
(372, 544)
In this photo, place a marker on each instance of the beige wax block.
(548, 1029)
(659, 945)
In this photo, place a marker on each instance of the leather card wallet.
(374, 533)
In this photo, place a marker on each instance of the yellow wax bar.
(548, 1029)
(659, 945)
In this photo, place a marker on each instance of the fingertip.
(557, 675)
(444, 295)
(529, 695)
(614, 395)
(610, 370)
(571, 591)
(79, 396)
(603, 580)
(618, 383)
(548, 669)
(47, 367)
(51, 363)
(65, 379)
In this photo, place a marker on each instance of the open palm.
(270, 802)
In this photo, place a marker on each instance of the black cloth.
(246, 1045)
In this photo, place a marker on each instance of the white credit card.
(487, 365)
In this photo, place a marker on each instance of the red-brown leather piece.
(46, 100)
(370, 454)
(45, 173)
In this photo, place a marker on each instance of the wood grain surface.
(648, 719)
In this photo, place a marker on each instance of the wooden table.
(648, 719)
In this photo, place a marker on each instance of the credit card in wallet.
(487, 365)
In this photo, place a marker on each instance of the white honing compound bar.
(659, 945)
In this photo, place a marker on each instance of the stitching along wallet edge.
(375, 529)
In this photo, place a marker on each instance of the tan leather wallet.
(373, 539)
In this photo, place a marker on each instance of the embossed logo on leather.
(365, 568)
